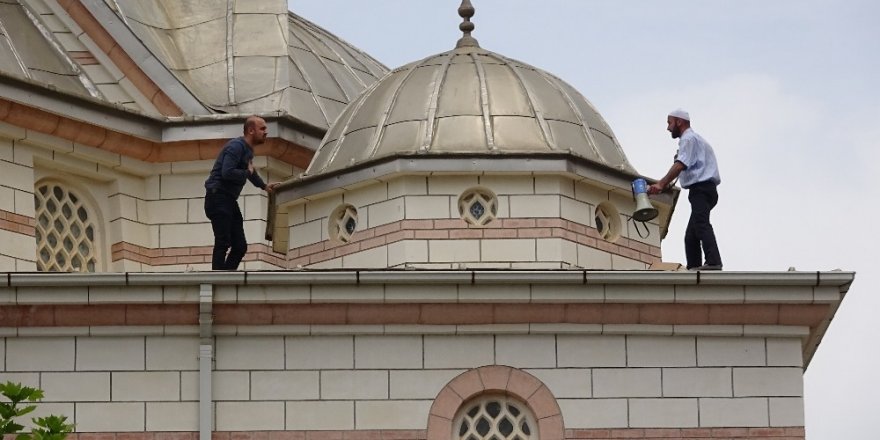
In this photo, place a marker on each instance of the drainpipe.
(206, 357)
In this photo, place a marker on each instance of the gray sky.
(786, 91)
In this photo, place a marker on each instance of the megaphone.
(645, 211)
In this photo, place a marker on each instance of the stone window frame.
(495, 379)
(86, 203)
(607, 219)
(486, 198)
(339, 222)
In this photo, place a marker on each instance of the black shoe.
(707, 267)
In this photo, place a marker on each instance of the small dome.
(468, 101)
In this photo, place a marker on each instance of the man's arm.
(229, 168)
(676, 169)
(255, 178)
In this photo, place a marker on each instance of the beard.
(676, 132)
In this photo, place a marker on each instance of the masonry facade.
(388, 353)
(451, 253)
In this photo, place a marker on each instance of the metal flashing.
(759, 278)
(185, 278)
(301, 277)
(529, 277)
(838, 279)
(414, 277)
(641, 277)
(33, 279)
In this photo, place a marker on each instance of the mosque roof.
(253, 57)
(205, 57)
(468, 101)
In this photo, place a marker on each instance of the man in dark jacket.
(234, 165)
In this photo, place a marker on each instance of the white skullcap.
(680, 114)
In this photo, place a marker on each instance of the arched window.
(65, 232)
(495, 402)
(494, 417)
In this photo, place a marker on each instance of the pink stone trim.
(189, 255)
(780, 433)
(83, 57)
(549, 428)
(495, 379)
(369, 434)
(69, 315)
(62, 315)
(31, 118)
(456, 229)
(17, 223)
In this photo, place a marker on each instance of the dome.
(468, 101)
(252, 57)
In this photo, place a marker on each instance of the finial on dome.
(466, 11)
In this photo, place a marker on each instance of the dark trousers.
(703, 197)
(228, 224)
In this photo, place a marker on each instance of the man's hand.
(661, 185)
(271, 187)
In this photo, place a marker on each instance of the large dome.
(252, 57)
(468, 101)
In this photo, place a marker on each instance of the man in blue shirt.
(234, 166)
(697, 169)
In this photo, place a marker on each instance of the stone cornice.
(26, 117)
(839, 281)
(769, 304)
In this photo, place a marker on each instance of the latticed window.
(478, 206)
(495, 417)
(65, 231)
(342, 223)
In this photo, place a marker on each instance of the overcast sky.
(786, 91)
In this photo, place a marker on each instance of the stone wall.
(149, 216)
(542, 222)
(397, 354)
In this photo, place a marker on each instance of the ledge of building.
(840, 279)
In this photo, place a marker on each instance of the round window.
(342, 223)
(608, 222)
(478, 206)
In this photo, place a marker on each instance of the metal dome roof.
(252, 57)
(468, 101)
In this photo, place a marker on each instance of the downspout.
(206, 358)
